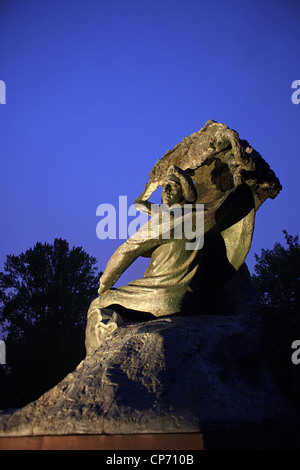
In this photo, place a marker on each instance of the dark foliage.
(277, 278)
(277, 282)
(45, 293)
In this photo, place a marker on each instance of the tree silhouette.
(277, 278)
(277, 282)
(45, 293)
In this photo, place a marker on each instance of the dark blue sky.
(98, 90)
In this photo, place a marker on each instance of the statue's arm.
(118, 263)
(142, 203)
(129, 251)
(122, 258)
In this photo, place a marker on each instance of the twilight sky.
(97, 91)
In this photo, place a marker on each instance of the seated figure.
(179, 277)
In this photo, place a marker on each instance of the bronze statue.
(203, 354)
(172, 267)
(231, 181)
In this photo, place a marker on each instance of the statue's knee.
(101, 325)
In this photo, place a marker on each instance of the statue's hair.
(187, 184)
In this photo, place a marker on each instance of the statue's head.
(177, 187)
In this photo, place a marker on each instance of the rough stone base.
(171, 375)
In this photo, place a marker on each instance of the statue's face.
(171, 191)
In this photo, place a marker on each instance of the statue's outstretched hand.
(149, 189)
(141, 203)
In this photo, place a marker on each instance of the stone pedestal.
(200, 376)
(171, 375)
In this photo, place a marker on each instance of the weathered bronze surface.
(212, 167)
